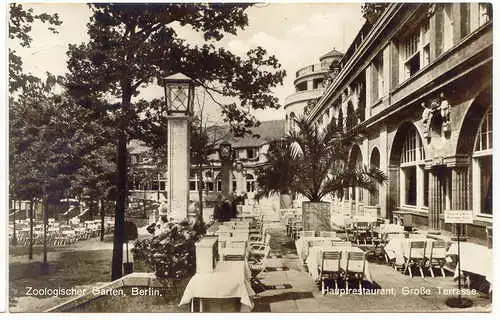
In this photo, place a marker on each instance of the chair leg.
(431, 270)
(322, 285)
(421, 271)
(336, 284)
(360, 282)
(442, 271)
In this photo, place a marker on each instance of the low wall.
(136, 292)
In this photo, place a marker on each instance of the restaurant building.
(416, 85)
(310, 82)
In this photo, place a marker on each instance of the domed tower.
(310, 82)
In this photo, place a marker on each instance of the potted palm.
(317, 167)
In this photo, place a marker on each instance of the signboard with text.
(458, 216)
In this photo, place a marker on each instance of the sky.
(296, 33)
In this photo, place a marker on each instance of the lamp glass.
(178, 96)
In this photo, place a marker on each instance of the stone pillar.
(460, 188)
(461, 191)
(437, 196)
(226, 178)
(178, 166)
(240, 182)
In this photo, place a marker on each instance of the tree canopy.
(20, 25)
(131, 45)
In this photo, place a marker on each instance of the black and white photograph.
(239, 157)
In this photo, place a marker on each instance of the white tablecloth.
(315, 255)
(399, 248)
(389, 228)
(302, 245)
(231, 279)
(474, 258)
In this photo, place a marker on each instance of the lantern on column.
(225, 151)
(179, 94)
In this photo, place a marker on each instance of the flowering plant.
(171, 253)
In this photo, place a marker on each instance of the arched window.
(209, 180)
(193, 181)
(414, 184)
(482, 166)
(250, 183)
(219, 182)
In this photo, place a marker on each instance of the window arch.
(482, 165)
(219, 182)
(250, 182)
(413, 178)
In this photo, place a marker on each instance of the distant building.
(249, 156)
(310, 82)
(416, 84)
(148, 179)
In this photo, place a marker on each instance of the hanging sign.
(458, 216)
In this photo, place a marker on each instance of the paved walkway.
(296, 291)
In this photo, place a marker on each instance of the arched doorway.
(375, 163)
(355, 194)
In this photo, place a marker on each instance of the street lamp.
(179, 100)
(179, 94)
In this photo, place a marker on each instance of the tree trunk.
(14, 237)
(121, 187)
(30, 249)
(200, 194)
(45, 212)
(101, 209)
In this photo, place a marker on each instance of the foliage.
(316, 164)
(132, 44)
(171, 253)
(278, 176)
(20, 25)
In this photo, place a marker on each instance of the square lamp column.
(226, 155)
(179, 98)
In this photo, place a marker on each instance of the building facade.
(249, 155)
(310, 83)
(416, 85)
(148, 178)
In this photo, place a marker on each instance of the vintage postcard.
(250, 157)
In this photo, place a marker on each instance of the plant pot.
(128, 268)
(316, 216)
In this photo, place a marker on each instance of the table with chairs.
(416, 251)
(242, 249)
(308, 239)
(474, 259)
(60, 234)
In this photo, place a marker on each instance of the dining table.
(474, 258)
(230, 279)
(302, 244)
